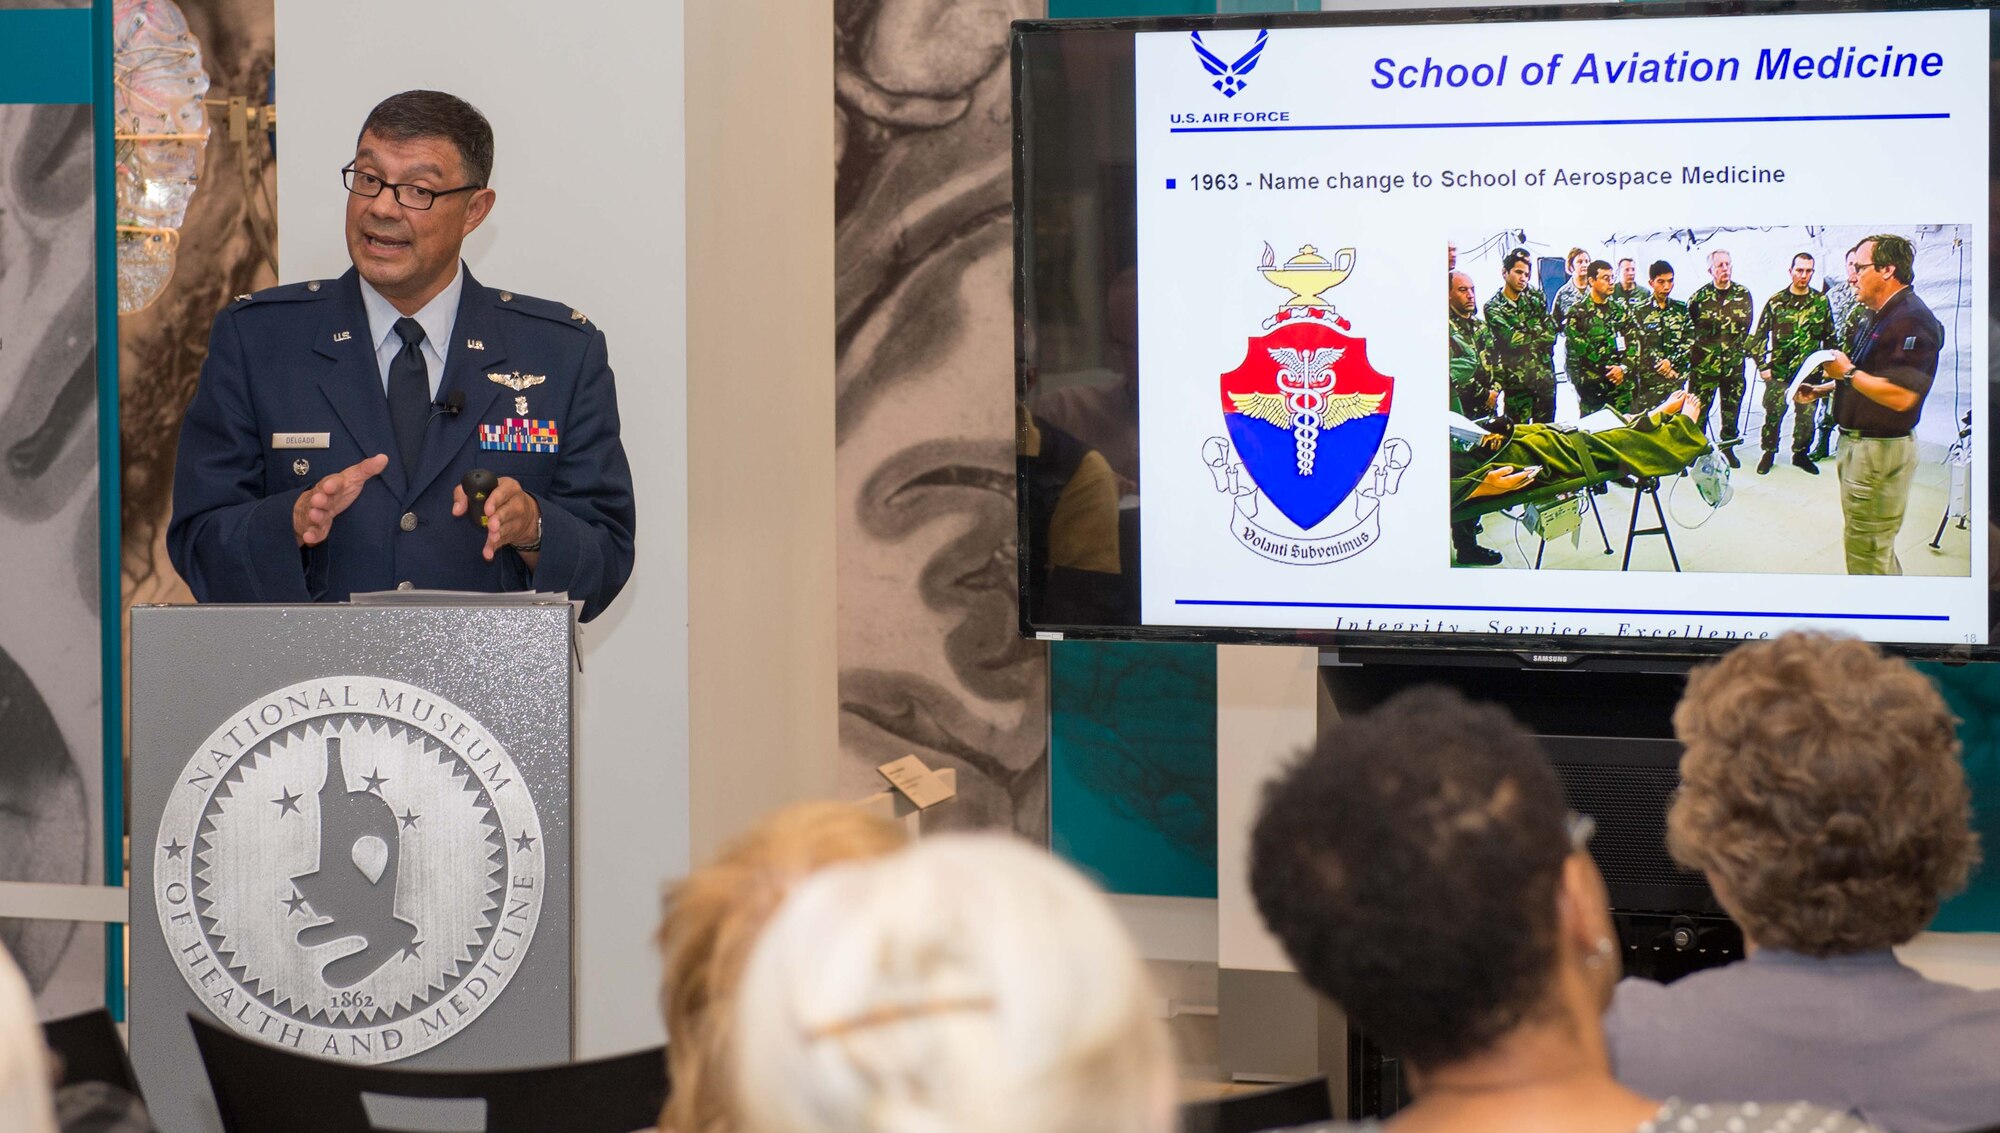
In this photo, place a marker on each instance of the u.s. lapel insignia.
(301, 466)
(521, 405)
(342, 336)
(517, 381)
(474, 344)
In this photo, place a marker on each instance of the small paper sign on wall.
(922, 786)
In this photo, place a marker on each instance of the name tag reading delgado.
(301, 440)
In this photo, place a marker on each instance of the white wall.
(1266, 711)
(586, 101)
(764, 700)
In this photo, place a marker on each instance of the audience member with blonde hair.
(969, 984)
(26, 1101)
(713, 916)
(1822, 795)
(1421, 872)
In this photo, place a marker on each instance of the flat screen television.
(1712, 361)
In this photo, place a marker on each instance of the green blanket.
(1650, 446)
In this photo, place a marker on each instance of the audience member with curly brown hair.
(713, 917)
(1822, 795)
(1421, 872)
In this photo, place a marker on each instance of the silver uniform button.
(313, 286)
(406, 585)
(506, 296)
(409, 521)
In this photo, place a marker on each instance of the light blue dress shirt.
(437, 318)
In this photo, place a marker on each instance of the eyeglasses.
(1579, 827)
(409, 196)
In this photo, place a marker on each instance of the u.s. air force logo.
(351, 867)
(1307, 415)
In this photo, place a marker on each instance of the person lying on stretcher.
(1550, 457)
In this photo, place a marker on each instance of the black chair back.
(259, 1088)
(91, 1050)
(1300, 1103)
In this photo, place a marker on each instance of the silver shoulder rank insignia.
(517, 381)
(579, 316)
(242, 297)
(474, 344)
(342, 336)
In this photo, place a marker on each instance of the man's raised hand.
(512, 516)
(314, 511)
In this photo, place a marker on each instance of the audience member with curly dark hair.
(1821, 792)
(1422, 873)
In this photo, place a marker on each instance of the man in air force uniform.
(323, 452)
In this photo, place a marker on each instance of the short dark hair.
(1595, 267)
(1659, 268)
(1410, 866)
(1517, 256)
(1892, 251)
(435, 114)
(1625, 260)
(1806, 256)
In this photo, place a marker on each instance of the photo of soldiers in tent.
(1795, 399)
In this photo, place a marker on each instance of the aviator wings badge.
(517, 381)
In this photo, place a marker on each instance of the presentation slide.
(1662, 244)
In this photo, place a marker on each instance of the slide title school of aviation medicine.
(1772, 65)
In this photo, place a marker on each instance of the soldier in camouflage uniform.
(1721, 313)
(1628, 290)
(1795, 322)
(1572, 292)
(1521, 338)
(1472, 395)
(1471, 385)
(1665, 339)
(1598, 344)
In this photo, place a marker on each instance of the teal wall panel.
(1973, 691)
(1132, 764)
(45, 56)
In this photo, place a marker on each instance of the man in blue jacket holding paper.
(324, 450)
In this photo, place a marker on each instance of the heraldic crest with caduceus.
(1306, 415)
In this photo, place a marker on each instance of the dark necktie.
(409, 393)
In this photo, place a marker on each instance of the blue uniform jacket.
(296, 359)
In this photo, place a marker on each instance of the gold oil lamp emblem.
(1308, 275)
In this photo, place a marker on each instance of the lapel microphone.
(452, 405)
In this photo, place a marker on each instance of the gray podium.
(350, 836)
